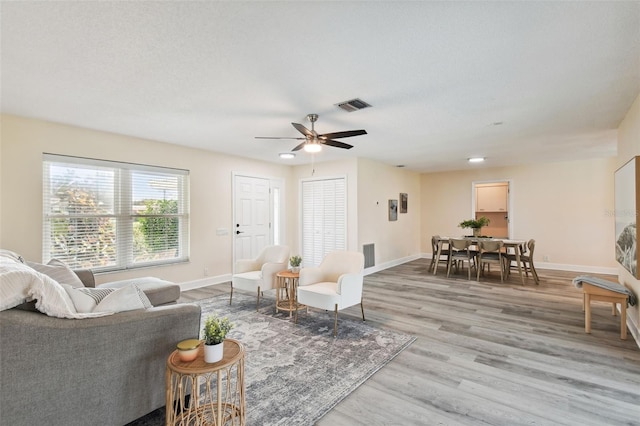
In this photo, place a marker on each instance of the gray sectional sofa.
(97, 371)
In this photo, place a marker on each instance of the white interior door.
(252, 230)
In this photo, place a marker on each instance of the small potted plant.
(475, 224)
(213, 334)
(295, 262)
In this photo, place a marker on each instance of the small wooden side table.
(287, 292)
(592, 292)
(217, 390)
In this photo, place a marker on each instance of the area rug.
(295, 373)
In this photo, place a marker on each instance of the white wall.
(566, 207)
(24, 141)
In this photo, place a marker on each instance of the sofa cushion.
(124, 299)
(159, 292)
(58, 271)
(86, 299)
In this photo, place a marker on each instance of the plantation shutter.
(324, 218)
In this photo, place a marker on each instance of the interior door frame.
(274, 182)
(509, 200)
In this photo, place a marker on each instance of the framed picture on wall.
(404, 200)
(393, 210)
(627, 199)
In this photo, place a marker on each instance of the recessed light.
(476, 159)
(287, 155)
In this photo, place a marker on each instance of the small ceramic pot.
(213, 353)
(188, 350)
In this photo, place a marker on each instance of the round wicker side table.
(217, 390)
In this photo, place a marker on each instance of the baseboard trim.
(387, 265)
(204, 282)
(565, 267)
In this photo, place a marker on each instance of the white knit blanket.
(19, 283)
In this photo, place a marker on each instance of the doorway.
(491, 199)
(257, 213)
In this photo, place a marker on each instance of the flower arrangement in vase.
(475, 224)
(295, 262)
(213, 334)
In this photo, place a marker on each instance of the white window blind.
(108, 215)
(324, 218)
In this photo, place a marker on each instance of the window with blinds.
(109, 216)
(324, 218)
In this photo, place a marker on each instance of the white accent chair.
(334, 285)
(259, 274)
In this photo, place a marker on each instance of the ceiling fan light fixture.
(287, 155)
(313, 147)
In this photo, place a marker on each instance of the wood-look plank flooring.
(489, 353)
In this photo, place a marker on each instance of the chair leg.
(362, 309)
(534, 273)
(335, 323)
(231, 296)
(258, 302)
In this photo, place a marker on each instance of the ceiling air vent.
(353, 105)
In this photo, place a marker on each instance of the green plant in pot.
(295, 262)
(475, 224)
(213, 334)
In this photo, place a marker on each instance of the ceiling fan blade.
(345, 134)
(299, 147)
(337, 144)
(276, 137)
(299, 127)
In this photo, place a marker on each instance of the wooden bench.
(592, 292)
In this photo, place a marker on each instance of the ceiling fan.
(313, 141)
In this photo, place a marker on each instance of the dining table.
(516, 245)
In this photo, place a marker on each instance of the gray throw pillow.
(58, 271)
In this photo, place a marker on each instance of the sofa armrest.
(86, 276)
(115, 365)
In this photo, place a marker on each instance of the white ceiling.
(559, 76)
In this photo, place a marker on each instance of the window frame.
(123, 212)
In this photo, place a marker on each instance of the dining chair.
(490, 252)
(525, 259)
(444, 253)
(460, 252)
(259, 274)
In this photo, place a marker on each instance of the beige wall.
(377, 184)
(24, 141)
(566, 207)
(629, 147)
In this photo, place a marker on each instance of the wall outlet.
(206, 272)
(545, 258)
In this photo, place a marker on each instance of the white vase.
(213, 353)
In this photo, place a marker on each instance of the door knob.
(239, 232)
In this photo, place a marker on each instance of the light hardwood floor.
(489, 353)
